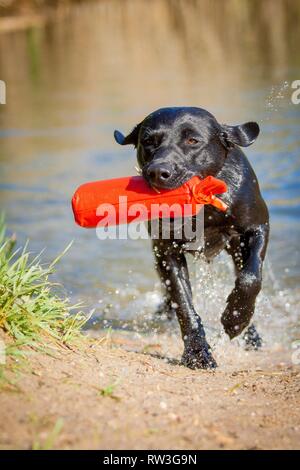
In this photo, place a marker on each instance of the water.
(107, 65)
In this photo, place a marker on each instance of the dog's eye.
(153, 141)
(192, 141)
(148, 141)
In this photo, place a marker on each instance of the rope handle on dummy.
(122, 200)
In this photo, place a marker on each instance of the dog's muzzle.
(159, 174)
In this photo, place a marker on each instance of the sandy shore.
(126, 393)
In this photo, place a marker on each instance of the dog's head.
(174, 144)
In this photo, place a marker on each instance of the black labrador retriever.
(174, 144)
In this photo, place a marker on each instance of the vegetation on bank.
(33, 315)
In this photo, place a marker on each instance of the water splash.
(131, 309)
(276, 98)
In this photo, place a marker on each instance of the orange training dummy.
(126, 198)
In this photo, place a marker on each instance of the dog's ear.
(242, 135)
(131, 138)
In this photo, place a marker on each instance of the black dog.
(174, 144)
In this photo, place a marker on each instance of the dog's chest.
(215, 241)
(218, 230)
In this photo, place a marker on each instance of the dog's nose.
(159, 174)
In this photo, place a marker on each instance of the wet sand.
(127, 393)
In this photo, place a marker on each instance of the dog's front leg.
(241, 301)
(172, 263)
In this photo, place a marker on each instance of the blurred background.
(75, 71)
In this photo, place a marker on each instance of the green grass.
(49, 442)
(109, 391)
(32, 313)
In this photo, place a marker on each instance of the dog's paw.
(233, 330)
(233, 323)
(198, 358)
(253, 340)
